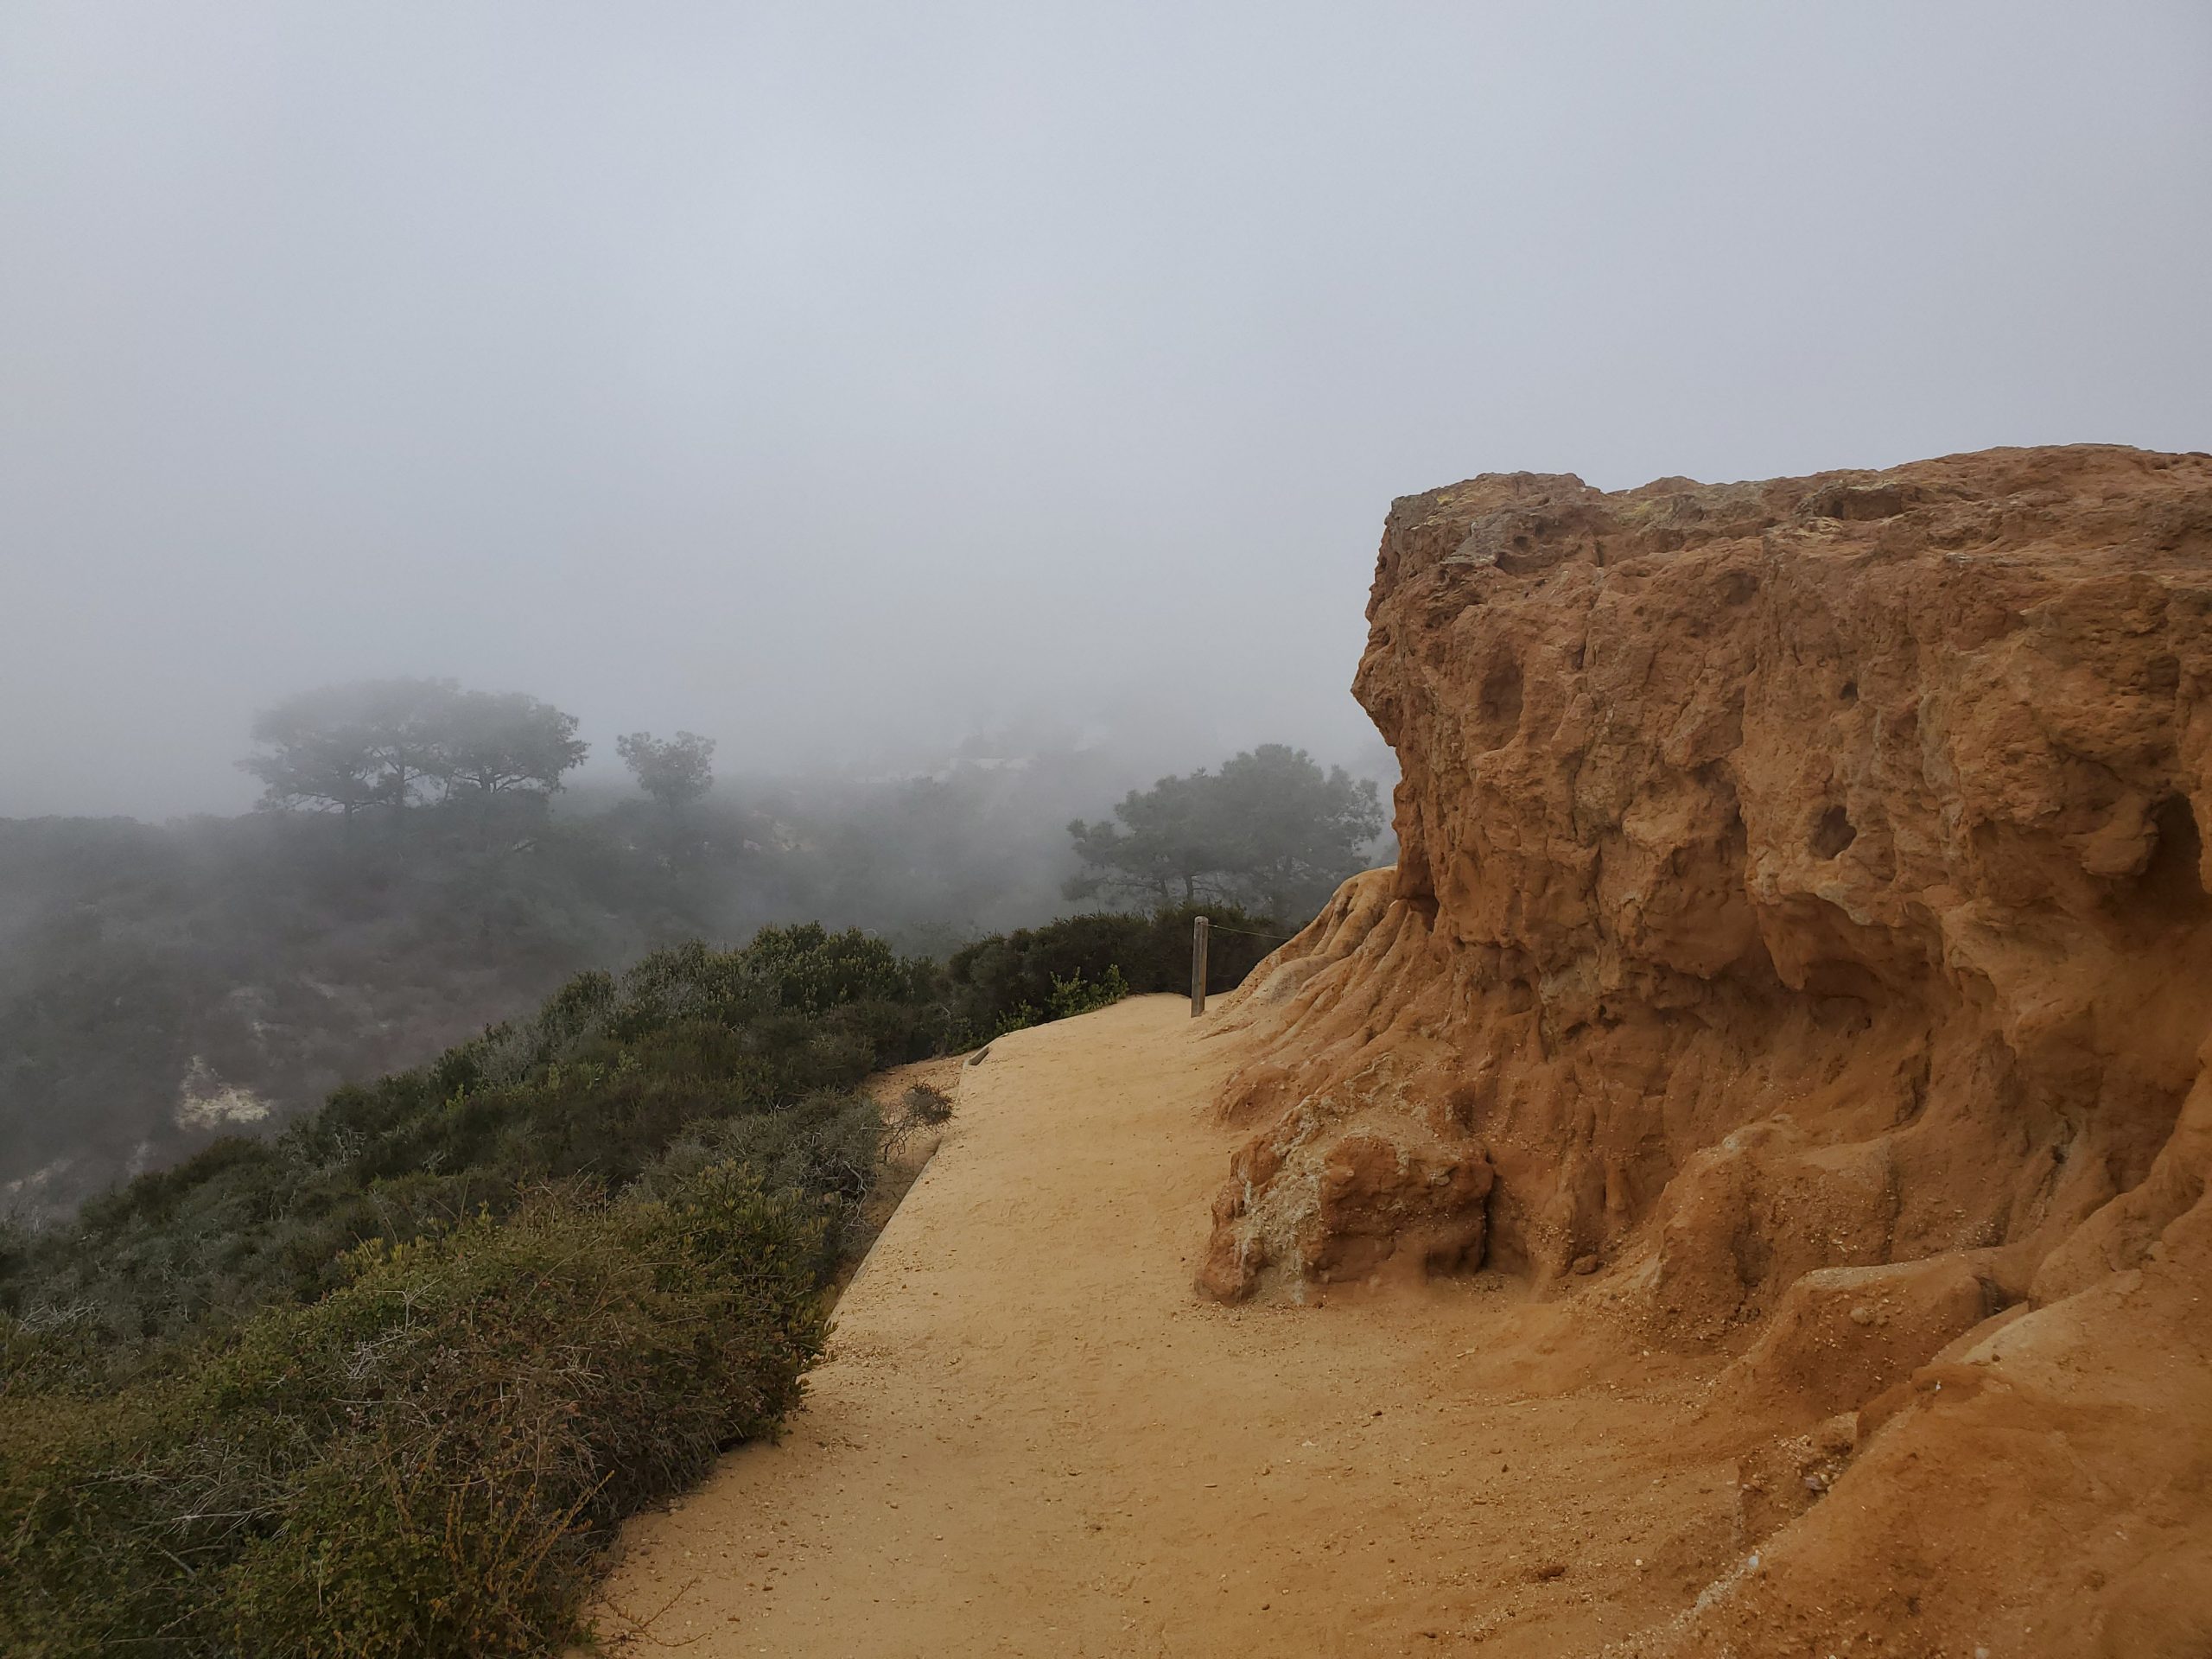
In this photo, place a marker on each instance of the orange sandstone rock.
(1802, 924)
(1794, 875)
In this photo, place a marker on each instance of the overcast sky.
(839, 379)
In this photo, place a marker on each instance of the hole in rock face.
(1832, 834)
(1858, 502)
(1500, 703)
(1875, 501)
(1468, 1104)
(1849, 693)
(2172, 883)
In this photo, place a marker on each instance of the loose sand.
(1030, 1437)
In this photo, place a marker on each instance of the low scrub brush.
(422, 1463)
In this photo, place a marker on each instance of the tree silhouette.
(1270, 831)
(676, 770)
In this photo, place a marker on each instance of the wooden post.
(1198, 966)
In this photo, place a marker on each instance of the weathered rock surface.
(1799, 879)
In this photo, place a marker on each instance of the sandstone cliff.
(1801, 945)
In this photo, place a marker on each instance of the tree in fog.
(406, 724)
(396, 743)
(313, 763)
(1270, 831)
(675, 771)
(347, 746)
(507, 743)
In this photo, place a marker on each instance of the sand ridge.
(1032, 1437)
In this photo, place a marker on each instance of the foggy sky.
(840, 380)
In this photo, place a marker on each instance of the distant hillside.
(159, 984)
(162, 984)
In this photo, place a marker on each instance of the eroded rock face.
(1796, 875)
(1803, 921)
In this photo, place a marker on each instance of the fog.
(845, 380)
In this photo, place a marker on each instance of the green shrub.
(1068, 998)
(423, 1462)
(825, 1149)
(1073, 995)
(1010, 980)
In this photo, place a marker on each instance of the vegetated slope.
(376, 1386)
(1800, 948)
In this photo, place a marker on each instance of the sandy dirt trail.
(1031, 1437)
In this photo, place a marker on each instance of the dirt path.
(1031, 1438)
